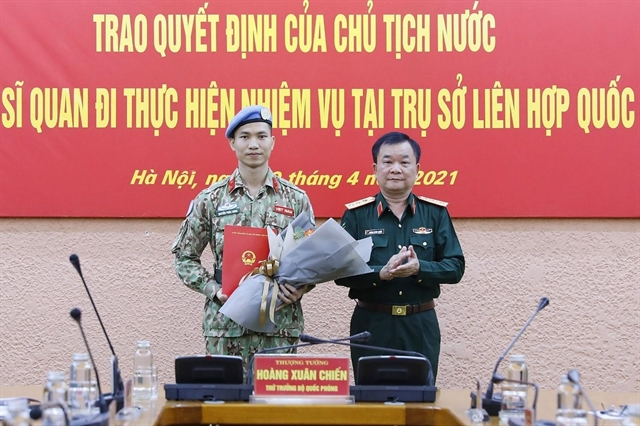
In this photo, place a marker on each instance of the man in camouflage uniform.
(251, 196)
(415, 249)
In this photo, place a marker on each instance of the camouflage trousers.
(247, 345)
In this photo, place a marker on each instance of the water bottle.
(55, 392)
(18, 412)
(144, 372)
(514, 395)
(82, 388)
(570, 412)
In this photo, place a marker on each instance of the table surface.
(450, 407)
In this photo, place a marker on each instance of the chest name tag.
(227, 208)
(373, 232)
(422, 230)
(287, 211)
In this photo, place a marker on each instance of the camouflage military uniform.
(228, 203)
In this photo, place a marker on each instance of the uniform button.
(424, 243)
(400, 293)
(372, 244)
(399, 225)
(418, 281)
(399, 246)
(374, 284)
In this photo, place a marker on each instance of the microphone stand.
(76, 314)
(574, 377)
(489, 402)
(497, 378)
(37, 412)
(117, 391)
(102, 418)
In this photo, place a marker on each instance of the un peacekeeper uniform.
(228, 203)
(399, 313)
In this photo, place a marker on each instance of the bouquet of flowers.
(300, 255)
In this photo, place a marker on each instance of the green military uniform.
(427, 227)
(228, 203)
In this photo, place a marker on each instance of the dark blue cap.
(250, 114)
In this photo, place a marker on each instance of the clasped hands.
(403, 264)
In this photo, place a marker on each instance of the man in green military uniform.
(415, 249)
(251, 196)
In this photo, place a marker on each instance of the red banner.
(118, 109)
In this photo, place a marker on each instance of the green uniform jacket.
(424, 225)
(227, 203)
(427, 227)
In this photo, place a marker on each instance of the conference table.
(450, 408)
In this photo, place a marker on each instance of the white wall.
(589, 269)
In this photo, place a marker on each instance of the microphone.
(493, 403)
(574, 377)
(315, 340)
(76, 314)
(36, 412)
(117, 385)
(498, 378)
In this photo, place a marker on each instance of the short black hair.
(393, 138)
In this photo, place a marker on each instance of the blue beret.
(250, 114)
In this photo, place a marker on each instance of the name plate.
(300, 375)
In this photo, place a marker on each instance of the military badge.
(368, 232)
(227, 208)
(422, 230)
(265, 114)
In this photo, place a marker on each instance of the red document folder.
(244, 248)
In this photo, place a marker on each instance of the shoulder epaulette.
(433, 201)
(359, 203)
(213, 190)
(221, 182)
(288, 184)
